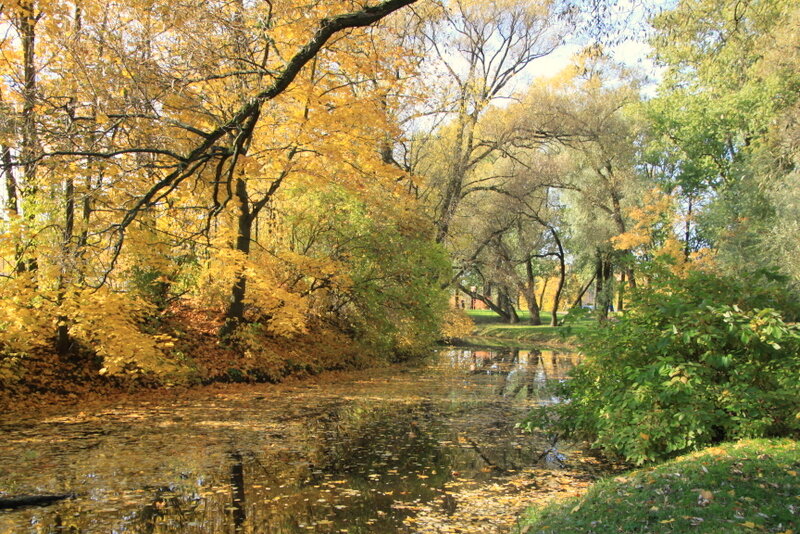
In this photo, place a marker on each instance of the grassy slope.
(492, 331)
(749, 486)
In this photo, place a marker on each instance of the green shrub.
(693, 362)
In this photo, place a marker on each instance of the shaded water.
(359, 454)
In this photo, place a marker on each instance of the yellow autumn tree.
(128, 135)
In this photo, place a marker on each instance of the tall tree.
(479, 49)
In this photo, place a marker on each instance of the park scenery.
(399, 266)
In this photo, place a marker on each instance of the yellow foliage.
(272, 290)
(656, 207)
(656, 213)
(108, 322)
(26, 318)
(704, 260)
(457, 324)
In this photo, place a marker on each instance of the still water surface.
(364, 453)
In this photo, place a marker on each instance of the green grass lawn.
(748, 487)
(491, 330)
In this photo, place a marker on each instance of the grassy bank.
(749, 486)
(491, 330)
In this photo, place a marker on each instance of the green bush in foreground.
(751, 486)
(693, 362)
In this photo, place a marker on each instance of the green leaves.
(686, 373)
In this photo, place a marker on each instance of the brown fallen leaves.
(704, 498)
(494, 507)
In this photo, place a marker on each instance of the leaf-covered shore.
(744, 487)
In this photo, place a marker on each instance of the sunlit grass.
(492, 330)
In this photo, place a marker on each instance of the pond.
(423, 449)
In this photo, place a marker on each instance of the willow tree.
(478, 50)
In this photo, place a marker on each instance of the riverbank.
(747, 486)
(194, 358)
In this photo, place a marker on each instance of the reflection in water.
(357, 455)
(526, 372)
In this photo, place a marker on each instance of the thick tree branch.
(239, 123)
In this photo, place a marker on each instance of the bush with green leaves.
(693, 362)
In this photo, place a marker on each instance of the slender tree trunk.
(621, 292)
(608, 274)
(11, 181)
(630, 275)
(562, 278)
(603, 273)
(687, 248)
(513, 316)
(26, 23)
(542, 294)
(506, 304)
(533, 308)
(598, 286)
(579, 299)
(462, 148)
(68, 251)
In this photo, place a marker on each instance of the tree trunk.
(687, 249)
(630, 275)
(579, 299)
(530, 295)
(11, 181)
(506, 304)
(235, 312)
(621, 292)
(27, 31)
(598, 286)
(63, 341)
(533, 307)
(486, 300)
(545, 283)
(562, 277)
(512, 313)
(603, 272)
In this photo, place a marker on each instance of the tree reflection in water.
(357, 454)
